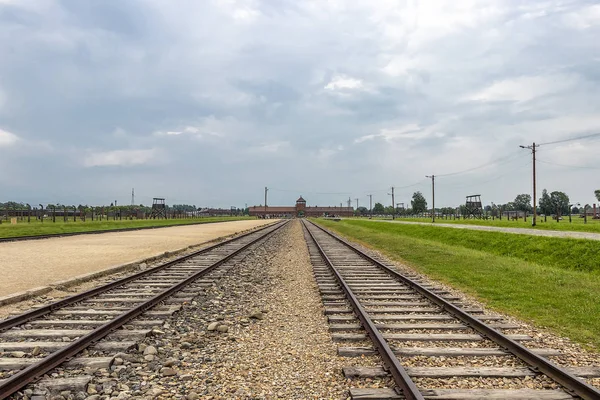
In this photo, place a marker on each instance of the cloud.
(275, 148)
(585, 18)
(7, 138)
(122, 158)
(410, 132)
(525, 88)
(204, 128)
(344, 83)
(287, 90)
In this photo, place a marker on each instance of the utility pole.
(393, 204)
(532, 148)
(266, 190)
(349, 205)
(432, 196)
(132, 196)
(356, 203)
(370, 206)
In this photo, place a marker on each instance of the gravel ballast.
(258, 333)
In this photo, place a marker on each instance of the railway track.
(431, 345)
(110, 318)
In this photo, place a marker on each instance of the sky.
(209, 102)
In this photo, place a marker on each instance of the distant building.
(300, 210)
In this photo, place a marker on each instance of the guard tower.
(474, 206)
(159, 208)
(300, 207)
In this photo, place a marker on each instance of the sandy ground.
(30, 264)
(520, 231)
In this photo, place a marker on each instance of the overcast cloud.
(207, 102)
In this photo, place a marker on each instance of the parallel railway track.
(424, 336)
(112, 317)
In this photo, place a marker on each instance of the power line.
(307, 191)
(496, 161)
(397, 187)
(493, 179)
(570, 139)
(568, 166)
(507, 164)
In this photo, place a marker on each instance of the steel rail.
(25, 317)
(401, 378)
(31, 373)
(570, 382)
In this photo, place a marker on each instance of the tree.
(495, 210)
(378, 208)
(560, 203)
(418, 203)
(522, 203)
(362, 210)
(575, 210)
(597, 193)
(545, 203)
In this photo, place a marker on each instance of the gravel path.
(30, 264)
(520, 231)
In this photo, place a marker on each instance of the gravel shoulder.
(30, 264)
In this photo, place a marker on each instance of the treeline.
(13, 205)
(555, 203)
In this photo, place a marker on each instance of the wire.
(570, 139)
(569, 166)
(309, 192)
(497, 161)
(397, 187)
(495, 178)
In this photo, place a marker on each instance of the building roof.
(300, 200)
(327, 209)
(271, 209)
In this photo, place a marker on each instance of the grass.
(575, 254)
(545, 291)
(36, 228)
(578, 225)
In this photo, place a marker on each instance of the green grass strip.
(574, 254)
(36, 228)
(564, 300)
(578, 225)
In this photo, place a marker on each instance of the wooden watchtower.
(474, 206)
(159, 208)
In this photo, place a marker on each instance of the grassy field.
(36, 228)
(593, 225)
(532, 278)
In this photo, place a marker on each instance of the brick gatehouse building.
(300, 210)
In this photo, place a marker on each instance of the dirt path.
(30, 264)
(520, 231)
